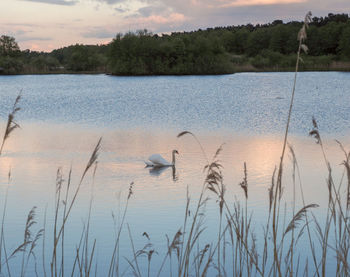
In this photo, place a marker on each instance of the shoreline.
(240, 70)
(236, 67)
(334, 66)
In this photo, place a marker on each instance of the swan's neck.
(173, 161)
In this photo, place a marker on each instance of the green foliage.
(283, 39)
(8, 46)
(43, 63)
(212, 51)
(10, 65)
(344, 42)
(267, 58)
(235, 41)
(142, 53)
(317, 63)
(9, 51)
(257, 40)
(81, 57)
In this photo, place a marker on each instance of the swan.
(157, 160)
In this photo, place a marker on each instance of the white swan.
(157, 160)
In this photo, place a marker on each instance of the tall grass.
(235, 250)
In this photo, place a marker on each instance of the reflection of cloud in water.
(36, 151)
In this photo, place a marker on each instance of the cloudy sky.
(48, 24)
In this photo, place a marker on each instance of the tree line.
(217, 50)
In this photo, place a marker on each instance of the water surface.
(63, 116)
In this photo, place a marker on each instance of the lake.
(63, 116)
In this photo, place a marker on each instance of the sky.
(44, 25)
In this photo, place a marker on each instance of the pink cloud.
(34, 47)
(159, 19)
(237, 3)
(50, 47)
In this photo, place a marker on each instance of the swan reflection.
(158, 170)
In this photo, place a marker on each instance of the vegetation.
(212, 51)
(143, 53)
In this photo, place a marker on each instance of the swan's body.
(156, 160)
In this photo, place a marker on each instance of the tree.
(257, 41)
(329, 35)
(279, 38)
(8, 46)
(9, 55)
(344, 43)
(10, 65)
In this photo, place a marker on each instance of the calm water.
(63, 116)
